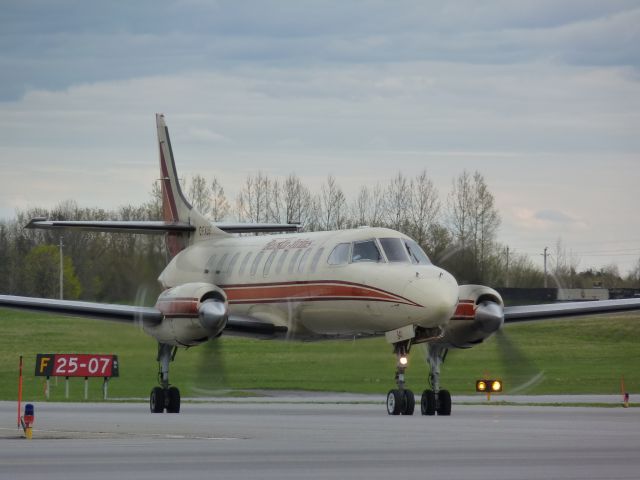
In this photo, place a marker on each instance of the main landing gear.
(435, 400)
(165, 397)
(401, 401)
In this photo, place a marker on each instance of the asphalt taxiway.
(321, 439)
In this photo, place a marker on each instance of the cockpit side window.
(339, 254)
(366, 251)
(416, 253)
(395, 250)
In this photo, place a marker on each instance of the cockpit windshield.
(366, 251)
(395, 250)
(416, 253)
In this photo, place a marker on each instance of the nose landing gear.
(401, 401)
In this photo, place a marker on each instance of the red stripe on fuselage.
(308, 291)
(170, 213)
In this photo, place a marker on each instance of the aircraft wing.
(236, 325)
(555, 310)
(100, 311)
(115, 226)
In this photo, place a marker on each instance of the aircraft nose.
(447, 292)
(437, 291)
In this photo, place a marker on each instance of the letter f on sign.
(44, 361)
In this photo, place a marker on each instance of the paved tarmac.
(319, 440)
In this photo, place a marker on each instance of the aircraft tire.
(444, 403)
(408, 402)
(394, 402)
(428, 403)
(173, 400)
(156, 400)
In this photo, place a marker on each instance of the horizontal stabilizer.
(155, 227)
(111, 226)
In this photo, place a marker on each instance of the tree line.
(457, 230)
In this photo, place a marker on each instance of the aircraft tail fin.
(175, 206)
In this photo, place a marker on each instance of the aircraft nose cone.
(489, 317)
(449, 292)
(436, 292)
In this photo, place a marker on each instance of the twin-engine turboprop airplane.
(305, 286)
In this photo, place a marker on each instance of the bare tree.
(565, 265)
(360, 208)
(634, 275)
(219, 204)
(425, 207)
(485, 221)
(297, 202)
(459, 204)
(398, 202)
(275, 207)
(200, 194)
(333, 205)
(253, 200)
(474, 221)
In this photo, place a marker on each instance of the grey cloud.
(52, 46)
(555, 216)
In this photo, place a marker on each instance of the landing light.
(403, 360)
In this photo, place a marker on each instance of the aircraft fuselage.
(318, 283)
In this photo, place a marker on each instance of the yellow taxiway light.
(489, 385)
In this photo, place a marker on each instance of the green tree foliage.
(42, 273)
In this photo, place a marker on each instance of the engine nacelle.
(192, 314)
(478, 316)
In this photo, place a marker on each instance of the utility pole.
(507, 280)
(545, 254)
(61, 272)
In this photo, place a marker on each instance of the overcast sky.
(542, 97)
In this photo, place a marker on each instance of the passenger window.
(395, 250)
(244, 263)
(292, 263)
(256, 261)
(220, 267)
(233, 262)
(212, 261)
(281, 260)
(340, 254)
(316, 259)
(267, 264)
(366, 251)
(303, 260)
(416, 253)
